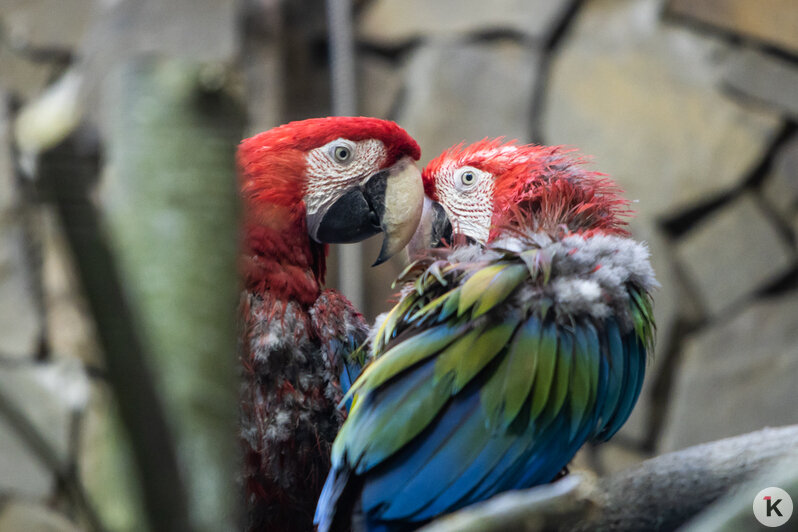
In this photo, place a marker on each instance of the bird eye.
(342, 154)
(468, 178)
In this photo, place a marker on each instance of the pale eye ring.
(467, 179)
(342, 153)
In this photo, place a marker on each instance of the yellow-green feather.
(476, 285)
(379, 432)
(464, 359)
(405, 354)
(451, 304)
(562, 374)
(388, 326)
(544, 376)
(501, 286)
(580, 388)
(432, 306)
(505, 392)
(643, 317)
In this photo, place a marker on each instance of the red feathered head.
(273, 164)
(351, 177)
(490, 186)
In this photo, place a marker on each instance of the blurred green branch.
(66, 176)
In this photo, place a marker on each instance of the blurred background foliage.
(118, 124)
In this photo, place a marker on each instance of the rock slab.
(643, 99)
(46, 24)
(396, 22)
(780, 189)
(465, 92)
(22, 515)
(773, 21)
(47, 395)
(733, 253)
(764, 78)
(737, 377)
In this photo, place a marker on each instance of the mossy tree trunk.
(169, 198)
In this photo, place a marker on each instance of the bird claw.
(563, 473)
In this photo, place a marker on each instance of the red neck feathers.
(279, 257)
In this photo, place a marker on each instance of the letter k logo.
(772, 506)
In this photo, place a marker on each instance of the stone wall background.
(690, 105)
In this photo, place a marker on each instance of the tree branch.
(65, 474)
(733, 511)
(659, 494)
(547, 507)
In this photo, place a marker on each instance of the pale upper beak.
(434, 229)
(390, 202)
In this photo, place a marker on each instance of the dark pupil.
(342, 154)
(468, 177)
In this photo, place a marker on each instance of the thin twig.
(65, 474)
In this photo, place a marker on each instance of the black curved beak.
(434, 230)
(355, 216)
(441, 230)
(388, 202)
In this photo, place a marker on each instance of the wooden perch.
(733, 511)
(544, 508)
(659, 494)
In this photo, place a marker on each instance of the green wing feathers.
(489, 326)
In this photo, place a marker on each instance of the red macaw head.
(350, 177)
(480, 191)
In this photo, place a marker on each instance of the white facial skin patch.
(337, 166)
(466, 193)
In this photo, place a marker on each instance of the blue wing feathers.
(614, 357)
(387, 480)
(444, 467)
(477, 472)
(634, 356)
(394, 404)
(457, 446)
(331, 494)
(498, 478)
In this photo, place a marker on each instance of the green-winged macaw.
(506, 352)
(304, 185)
